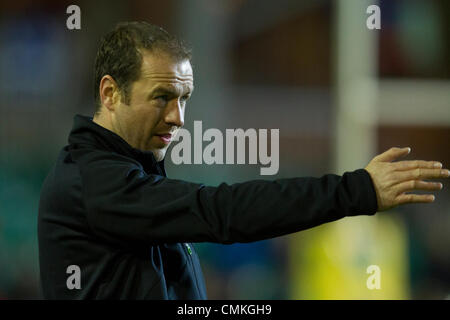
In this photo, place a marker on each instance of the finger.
(414, 164)
(392, 154)
(420, 174)
(415, 198)
(414, 185)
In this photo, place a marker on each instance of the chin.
(159, 154)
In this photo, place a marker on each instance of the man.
(112, 225)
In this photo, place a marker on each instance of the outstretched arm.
(128, 206)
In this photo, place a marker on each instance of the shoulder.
(62, 178)
(86, 155)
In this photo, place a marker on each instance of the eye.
(185, 97)
(163, 98)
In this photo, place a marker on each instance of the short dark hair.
(119, 54)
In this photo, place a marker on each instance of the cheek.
(147, 118)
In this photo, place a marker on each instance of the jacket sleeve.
(126, 205)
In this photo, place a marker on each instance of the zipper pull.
(188, 247)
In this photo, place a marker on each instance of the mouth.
(165, 137)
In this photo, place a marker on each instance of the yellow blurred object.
(332, 261)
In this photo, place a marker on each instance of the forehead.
(161, 68)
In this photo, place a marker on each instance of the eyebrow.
(167, 90)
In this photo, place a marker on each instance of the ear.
(109, 92)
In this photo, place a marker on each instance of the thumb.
(392, 154)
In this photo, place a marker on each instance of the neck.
(102, 121)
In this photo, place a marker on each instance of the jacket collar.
(87, 132)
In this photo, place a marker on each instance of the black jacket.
(110, 210)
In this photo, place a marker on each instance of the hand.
(393, 179)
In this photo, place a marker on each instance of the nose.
(175, 113)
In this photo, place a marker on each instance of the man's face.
(157, 104)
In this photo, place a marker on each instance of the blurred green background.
(338, 92)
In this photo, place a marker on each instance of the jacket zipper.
(189, 251)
